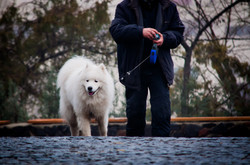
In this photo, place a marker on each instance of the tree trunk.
(186, 75)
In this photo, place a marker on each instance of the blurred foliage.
(39, 34)
(203, 96)
(233, 76)
(217, 35)
(49, 97)
(121, 112)
(228, 97)
(13, 108)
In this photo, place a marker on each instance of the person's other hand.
(149, 33)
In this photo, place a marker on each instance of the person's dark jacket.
(126, 30)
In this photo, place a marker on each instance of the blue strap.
(153, 54)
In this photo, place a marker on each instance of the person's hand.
(150, 34)
(159, 42)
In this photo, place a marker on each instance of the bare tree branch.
(212, 20)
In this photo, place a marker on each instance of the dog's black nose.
(90, 88)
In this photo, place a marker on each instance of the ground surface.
(124, 150)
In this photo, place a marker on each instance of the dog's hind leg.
(67, 113)
(73, 126)
(71, 119)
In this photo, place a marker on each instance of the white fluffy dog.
(86, 91)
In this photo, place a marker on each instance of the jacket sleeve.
(174, 33)
(122, 30)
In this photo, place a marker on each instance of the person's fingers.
(149, 33)
(159, 42)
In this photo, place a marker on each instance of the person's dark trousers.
(153, 80)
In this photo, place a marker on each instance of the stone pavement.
(124, 150)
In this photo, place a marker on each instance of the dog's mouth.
(92, 93)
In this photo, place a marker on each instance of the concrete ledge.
(61, 121)
(180, 127)
(46, 121)
(124, 120)
(3, 122)
(198, 119)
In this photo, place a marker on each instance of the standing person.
(134, 28)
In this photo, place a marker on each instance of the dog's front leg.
(84, 125)
(103, 125)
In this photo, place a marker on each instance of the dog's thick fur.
(86, 91)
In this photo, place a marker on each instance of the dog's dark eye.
(96, 81)
(87, 80)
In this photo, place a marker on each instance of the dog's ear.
(86, 66)
(102, 66)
